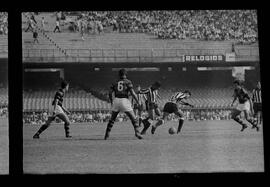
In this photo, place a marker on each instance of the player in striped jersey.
(58, 111)
(257, 102)
(151, 94)
(138, 107)
(245, 105)
(172, 107)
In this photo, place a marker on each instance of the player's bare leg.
(251, 120)
(140, 114)
(64, 117)
(134, 122)
(236, 117)
(110, 124)
(159, 122)
(44, 126)
(181, 120)
(147, 121)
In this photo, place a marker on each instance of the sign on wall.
(204, 58)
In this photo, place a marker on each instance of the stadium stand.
(3, 96)
(143, 41)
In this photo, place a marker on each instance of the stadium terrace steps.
(74, 45)
(3, 96)
(3, 46)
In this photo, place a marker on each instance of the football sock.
(240, 121)
(42, 128)
(180, 125)
(109, 126)
(67, 129)
(252, 121)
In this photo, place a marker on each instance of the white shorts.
(58, 110)
(121, 105)
(244, 106)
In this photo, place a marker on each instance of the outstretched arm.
(134, 95)
(185, 103)
(111, 96)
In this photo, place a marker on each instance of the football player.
(120, 103)
(244, 105)
(58, 111)
(172, 107)
(138, 108)
(151, 94)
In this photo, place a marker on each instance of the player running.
(244, 105)
(58, 111)
(121, 89)
(151, 94)
(138, 108)
(257, 103)
(172, 107)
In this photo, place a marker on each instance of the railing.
(130, 55)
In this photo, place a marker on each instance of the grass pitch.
(201, 147)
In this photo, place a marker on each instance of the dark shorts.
(151, 105)
(138, 107)
(257, 107)
(170, 108)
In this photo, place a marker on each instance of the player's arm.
(253, 95)
(134, 96)
(143, 91)
(111, 94)
(234, 98)
(54, 106)
(185, 103)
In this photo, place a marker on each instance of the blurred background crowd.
(104, 116)
(220, 25)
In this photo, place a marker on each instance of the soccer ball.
(172, 130)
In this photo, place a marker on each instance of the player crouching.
(59, 111)
(172, 107)
(244, 105)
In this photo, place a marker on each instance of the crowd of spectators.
(92, 117)
(3, 23)
(220, 25)
(3, 111)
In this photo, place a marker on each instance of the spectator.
(43, 23)
(57, 26)
(35, 36)
(30, 25)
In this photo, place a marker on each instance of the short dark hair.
(157, 84)
(122, 72)
(64, 84)
(238, 82)
(187, 92)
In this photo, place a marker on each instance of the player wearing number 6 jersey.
(120, 103)
(171, 107)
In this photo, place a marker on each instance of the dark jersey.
(151, 95)
(58, 95)
(122, 88)
(241, 94)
